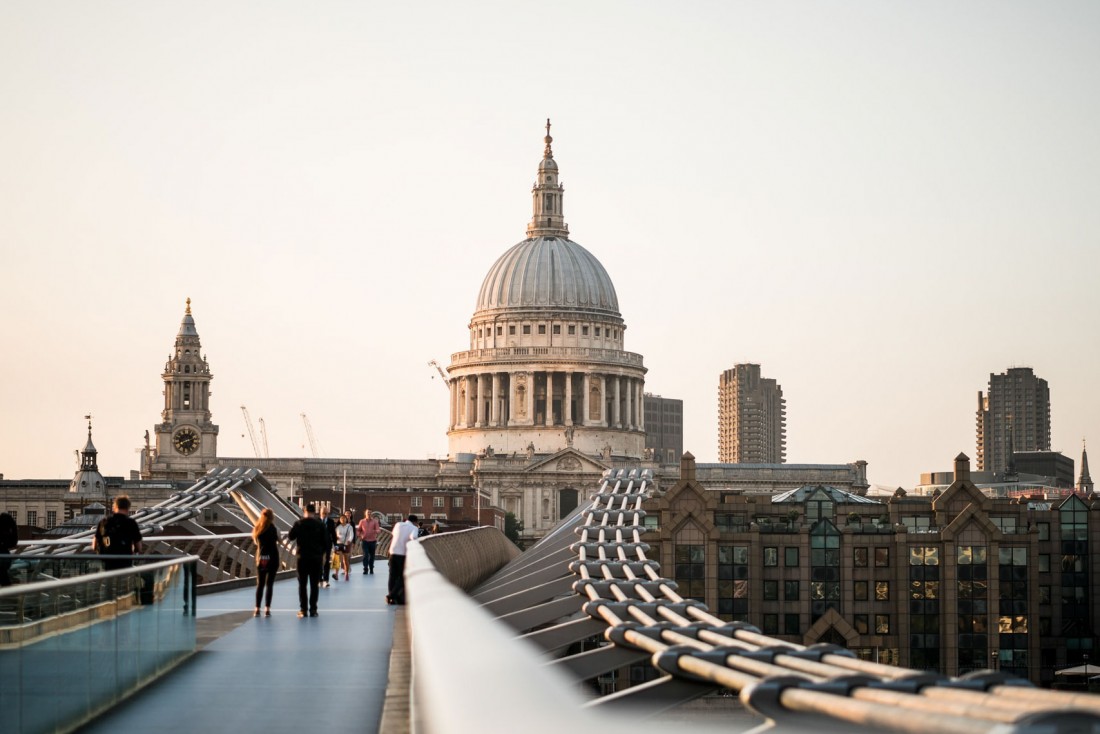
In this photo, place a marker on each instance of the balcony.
(538, 354)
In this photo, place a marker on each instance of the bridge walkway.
(277, 674)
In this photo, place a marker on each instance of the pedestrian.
(368, 534)
(266, 537)
(9, 541)
(403, 532)
(421, 531)
(118, 535)
(330, 538)
(310, 536)
(345, 536)
(435, 529)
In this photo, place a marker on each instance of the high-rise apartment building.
(664, 428)
(752, 417)
(1013, 416)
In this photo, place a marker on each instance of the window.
(689, 570)
(1044, 530)
(51, 518)
(437, 501)
(1044, 563)
(882, 591)
(1006, 525)
(861, 622)
(790, 557)
(917, 523)
(597, 331)
(882, 624)
(14, 515)
(542, 328)
(456, 501)
(790, 591)
(511, 330)
(859, 557)
(1044, 595)
(771, 624)
(791, 624)
(416, 502)
(32, 518)
(557, 328)
(572, 329)
(526, 328)
(584, 331)
(882, 557)
(771, 590)
(500, 331)
(859, 590)
(733, 582)
(771, 556)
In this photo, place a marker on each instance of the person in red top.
(368, 533)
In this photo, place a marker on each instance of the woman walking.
(345, 536)
(267, 559)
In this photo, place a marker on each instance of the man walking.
(330, 539)
(310, 535)
(368, 534)
(403, 532)
(118, 535)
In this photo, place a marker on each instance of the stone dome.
(548, 272)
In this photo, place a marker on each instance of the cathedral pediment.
(567, 460)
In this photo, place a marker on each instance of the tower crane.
(312, 438)
(251, 433)
(439, 369)
(263, 435)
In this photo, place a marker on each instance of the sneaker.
(313, 614)
(267, 612)
(301, 615)
(256, 612)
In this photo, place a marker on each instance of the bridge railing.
(73, 647)
(586, 602)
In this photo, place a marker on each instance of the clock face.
(186, 441)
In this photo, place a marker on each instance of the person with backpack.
(118, 535)
(9, 540)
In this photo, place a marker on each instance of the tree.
(513, 526)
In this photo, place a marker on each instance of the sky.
(881, 203)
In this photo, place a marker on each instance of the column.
(468, 403)
(531, 398)
(567, 411)
(549, 398)
(494, 417)
(481, 390)
(586, 387)
(604, 381)
(451, 391)
(616, 414)
(641, 405)
(629, 404)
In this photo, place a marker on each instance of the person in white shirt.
(403, 532)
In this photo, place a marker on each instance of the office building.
(1014, 415)
(664, 428)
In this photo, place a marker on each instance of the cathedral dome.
(548, 272)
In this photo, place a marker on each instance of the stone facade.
(954, 583)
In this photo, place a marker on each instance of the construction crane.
(251, 433)
(442, 374)
(263, 435)
(312, 439)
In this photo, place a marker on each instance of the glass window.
(557, 328)
(511, 330)
(1044, 530)
(882, 557)
(771, 590)
(860, 590)
(584, 331)
(859, 557)
(791, 624)
(882, 624)
(690, 570)
(790, 557)
(456, 501)
(526, 328)
(542, 328)
(790, 590)
(861, 623)
(771, 556)
(1044, 562)
(771, 624)
(882, 591)
(437, 501)
(572, 328)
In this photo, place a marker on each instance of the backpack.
(113, 538)
(9, 532)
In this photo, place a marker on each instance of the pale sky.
(879, 202)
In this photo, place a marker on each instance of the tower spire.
(1084, 481)
(547, 219)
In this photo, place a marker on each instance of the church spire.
(88, 455)
(547, 219)
(1084, 481)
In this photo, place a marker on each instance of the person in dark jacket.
(330, 540)
(310, 536)
(118, 535)
(266, 537)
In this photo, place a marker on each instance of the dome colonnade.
(546, 368)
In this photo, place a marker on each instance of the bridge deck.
(277, 674)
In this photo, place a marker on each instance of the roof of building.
(801, 494)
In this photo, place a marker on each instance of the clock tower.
(186, 440)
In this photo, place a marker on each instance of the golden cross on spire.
(548, 153)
